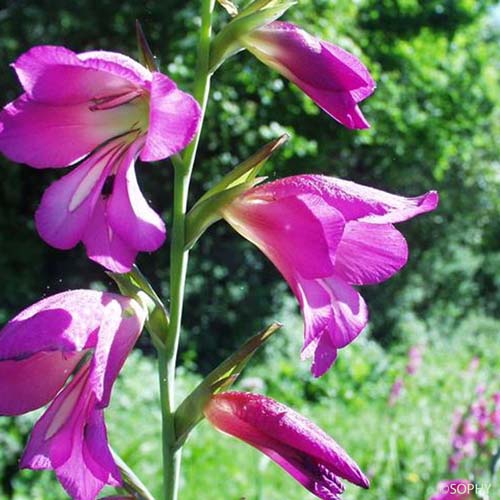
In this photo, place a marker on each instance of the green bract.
(190, 411)
(257, 14)
(206, 211)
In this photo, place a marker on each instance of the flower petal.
(46, 135)
(63, 322)
(118, 65)
(67, 205)
(28, 384)
(128, 213)
(354, 201)
(85, 76)
(174, 118)
(48, 325)
(368, 204)
(370, 253)
(280, 226)
(96, 452)
(323, 352)
(104, 245)
(342, 106)
(311, 60)
(330, 308)
(350, 314)
(60, 441)
(52, 437)
(120, 327)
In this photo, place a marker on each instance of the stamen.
(113, 101)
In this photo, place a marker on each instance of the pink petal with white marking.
(128, 213)
(28, 384)
(281, 226)
(67, 205)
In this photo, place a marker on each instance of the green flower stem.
(178, 265)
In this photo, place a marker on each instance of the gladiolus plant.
(99, 112)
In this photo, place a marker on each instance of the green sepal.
(207, 209)
(134, 284)
(146, 56)
(131, 483)
(207, 212)
(229, 7)
(258, 5)
(190, 411)
(229, 40)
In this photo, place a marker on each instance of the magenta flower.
(414, 359)
(324, 235)
(495, 414)
(396, 391)
(298, 446)
(103, 110)
(454, 489)
(39, 350)
(334, 79)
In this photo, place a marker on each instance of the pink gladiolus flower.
(301, 448)
(39, 350)
(103, 110)
(454, 489)
(334, 79)
(324, 235)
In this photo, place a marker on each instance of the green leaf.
(131, 483)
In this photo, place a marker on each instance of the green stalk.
(178, 265)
